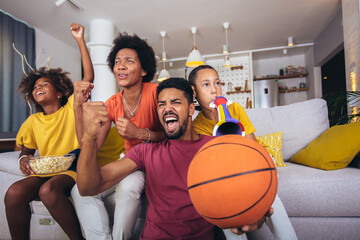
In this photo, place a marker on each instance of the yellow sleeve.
(111, 149)
(71, 100)
(25, 136)
(238, 112)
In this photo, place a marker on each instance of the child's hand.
(253, 227)
(82, 90)
(25, 167)
(77, 31)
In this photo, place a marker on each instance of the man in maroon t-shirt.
(170, 214)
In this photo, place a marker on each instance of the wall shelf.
(237, 67)
(298, 75)
(293, 90)
(244, 91)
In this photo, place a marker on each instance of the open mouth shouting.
(171, 121)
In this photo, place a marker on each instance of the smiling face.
(45, 93)
(174, 112)
(127, 68)
(207, 87)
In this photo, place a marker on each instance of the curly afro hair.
(59, 79)
(145, 53)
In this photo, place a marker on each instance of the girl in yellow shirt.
(51, 131)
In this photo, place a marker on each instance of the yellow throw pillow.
(334, 149)
(273, 144)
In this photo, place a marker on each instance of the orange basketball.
(232, 181)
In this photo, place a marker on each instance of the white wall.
(330, 41)
(63, 55)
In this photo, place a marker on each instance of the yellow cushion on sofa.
(334, 149)
(273, 144)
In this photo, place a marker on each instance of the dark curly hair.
(144, 52)
(178, 83)
(58, 78)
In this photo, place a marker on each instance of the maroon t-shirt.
(170, 213)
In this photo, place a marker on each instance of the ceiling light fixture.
(225, 47)
(227, 62)
(290, 41)
(58, 3)
(194, 59)
(163, 34)
(164, 74)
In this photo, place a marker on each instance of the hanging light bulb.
(164, 74)
(227, 63)
(225, 49)
(194, 59)
(290, 41)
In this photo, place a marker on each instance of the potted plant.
(341, 107)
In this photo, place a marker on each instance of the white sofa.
(321, 204)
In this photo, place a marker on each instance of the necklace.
(132, 113)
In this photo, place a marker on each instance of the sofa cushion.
(274, 142)
(9, 163)
(334, 149)
(300, 123)
(312, 192)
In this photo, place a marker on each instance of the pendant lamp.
(164, 74)
(194, 59)
(290, 41)
(227, 63)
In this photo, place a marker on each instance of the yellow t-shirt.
(51, 134)
(205, 126)
(111, 148)
(55, 134)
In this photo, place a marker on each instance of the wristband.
(148, 138)
(21, 158)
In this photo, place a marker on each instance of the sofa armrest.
(9, 163)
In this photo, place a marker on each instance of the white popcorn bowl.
(51, 164)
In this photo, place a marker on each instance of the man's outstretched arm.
(91, 179)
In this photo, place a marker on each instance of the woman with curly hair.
(133, 110)
(51, 131)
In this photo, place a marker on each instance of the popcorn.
(51, 164)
